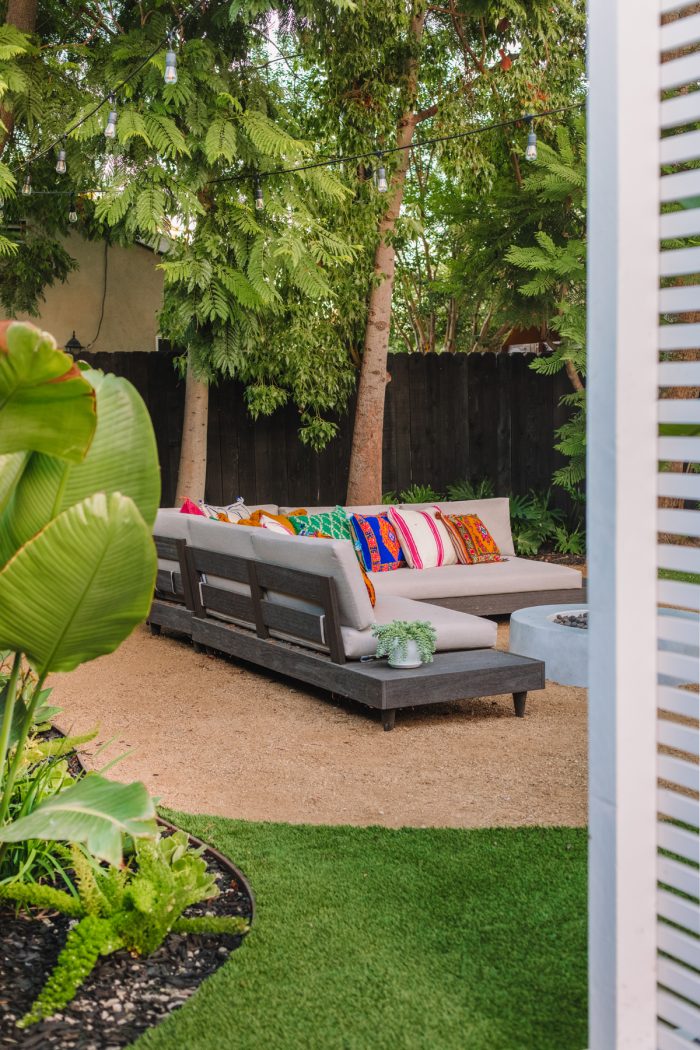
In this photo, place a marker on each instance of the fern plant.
(132, 908)
(419, 494)
(467, 490)
(534, 522)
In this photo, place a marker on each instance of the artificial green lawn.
(375, 939)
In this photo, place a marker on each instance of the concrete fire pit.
(564, 649)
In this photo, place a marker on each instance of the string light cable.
(326, 162)
(376, 155)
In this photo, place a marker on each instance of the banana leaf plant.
(79, 490)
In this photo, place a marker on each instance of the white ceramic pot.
(410, 659)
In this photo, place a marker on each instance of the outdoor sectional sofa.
(300, 606)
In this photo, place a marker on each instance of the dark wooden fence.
(447, 418)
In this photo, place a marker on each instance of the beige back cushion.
(495, 514)
(334, 558)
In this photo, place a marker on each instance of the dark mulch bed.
(576, 561)
(124, 996)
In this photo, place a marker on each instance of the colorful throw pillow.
(232, 513)
(333, 522)
(263, 519)
(189, 507)
(424, 539)
(376, 543)
(472, 541)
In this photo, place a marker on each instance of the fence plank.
(448, 417)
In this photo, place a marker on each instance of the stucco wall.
(134, 296)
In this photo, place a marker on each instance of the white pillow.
(276, 526)
(424, 540)
(232, 513)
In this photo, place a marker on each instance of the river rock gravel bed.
(124, 995)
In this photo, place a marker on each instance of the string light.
(382, 184)
(170, 76)
(61, 162)
(72, 213)
(531, 148)
(111, 126)
(27, 185)
(258, 194)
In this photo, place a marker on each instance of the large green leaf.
(122, 458)
(95, 811)
(45, 403)
(78, 588)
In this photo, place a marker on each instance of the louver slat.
(680, 261)
(678, 979)
(685, 775)
(681, 33)
(677, 112)
(678, 702)
(679, 373)
(677, 1012)
(680, 486)
(669, 1039)
(674, 74)
(681, 184)
(685, 410)
(680, 300)
(682, 738)
(684, 559)
(680, 223)
(680, 449)
(680, 945)
(680, 336)
(679, 522)
(676, 840)
(679, 911)
(678, 807)
(684, 595)
(679, 876)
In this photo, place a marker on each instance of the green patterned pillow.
(333, 522)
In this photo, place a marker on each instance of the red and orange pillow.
(472, 541)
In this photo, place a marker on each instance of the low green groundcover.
(375, 939)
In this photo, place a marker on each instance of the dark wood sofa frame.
(185, 600)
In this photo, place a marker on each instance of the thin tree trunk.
(192, 472)
(22, 15)
(365, 476)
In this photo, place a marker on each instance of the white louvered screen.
(678, 551)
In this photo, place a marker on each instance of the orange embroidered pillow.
(472, 541)
(262, 519)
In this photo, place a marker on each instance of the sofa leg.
(155, 628)
(519, 702)
(389, 719)
(198, 648)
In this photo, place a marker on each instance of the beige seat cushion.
(495, 514)
(334, 558)
(455, 630)
(453, 581)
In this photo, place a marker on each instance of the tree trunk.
(365, 476)
(22, 15)
(192, 472)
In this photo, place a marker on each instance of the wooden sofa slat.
(227, 603)
(229, 566)
(296, 622)
(170, 615)
(166, 547)
(305, 585)
(169, 584)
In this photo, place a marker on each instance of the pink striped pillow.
(424, 540)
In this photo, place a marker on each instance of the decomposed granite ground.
(208, 735)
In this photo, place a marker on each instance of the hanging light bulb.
(27, 185)
(531, 148)
(382, 184)
(170, 64)
(258, 194)
(111, 127)
(72, 213)
(61, 162)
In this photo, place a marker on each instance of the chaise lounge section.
(300, 606)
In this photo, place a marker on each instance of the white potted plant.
(405, 643)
